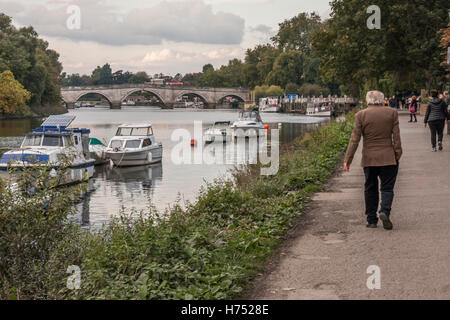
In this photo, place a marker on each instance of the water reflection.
(113, 188)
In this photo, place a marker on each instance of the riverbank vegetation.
(32, 64)
(208, 249)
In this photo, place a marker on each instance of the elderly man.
(382, 149)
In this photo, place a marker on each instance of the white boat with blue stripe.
(54, 144)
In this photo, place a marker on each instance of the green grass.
(212, 248)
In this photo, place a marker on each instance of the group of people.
(379, 126)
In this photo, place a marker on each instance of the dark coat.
(436, 110)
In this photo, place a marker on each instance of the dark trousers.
(387, 176)
(436, 128)
(411, 115)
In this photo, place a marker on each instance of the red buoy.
(193, 143)
(266, 126)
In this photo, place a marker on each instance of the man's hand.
(346, 166)
(425, 124)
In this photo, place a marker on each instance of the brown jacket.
(380, 129)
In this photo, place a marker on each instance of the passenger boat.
(97, 150)
(269, 105)
(53, 144)
(219, 132)
(248, 124)
(324, 109)
(134, 145)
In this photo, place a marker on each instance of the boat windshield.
(32, 141)
(133, 144)
(250, 115)
(134, 131)
(52, 141)
(116, 144)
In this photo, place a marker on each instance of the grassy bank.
(209, 250)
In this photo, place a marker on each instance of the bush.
(37, 241)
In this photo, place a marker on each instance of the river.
(161, 185)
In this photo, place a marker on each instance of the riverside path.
(328, 254)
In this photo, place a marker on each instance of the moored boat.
(324, 109)
(248, 124)
(134, 145)
(219, 132)
(270, 104)
(54, 144)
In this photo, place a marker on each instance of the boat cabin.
(250, 116)
(133, 136)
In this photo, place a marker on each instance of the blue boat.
(54, 144)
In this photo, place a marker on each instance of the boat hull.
(76, 173)
(126, 158)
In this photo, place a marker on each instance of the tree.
(207, 67)
(139, 77)
(292, 88)
(32, 63)
(266, 91)
(297, 33)
(313, 90)
(405, 49)
(288, 67)
(13, 96)
(445, 43)
(102, 75)
(258, 64)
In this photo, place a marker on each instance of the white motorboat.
(134, 145)
(324, 109)
(219, 132)
(54, 144)
(97, 150)
(248, 124)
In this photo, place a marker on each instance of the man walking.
(382, 150)
(435, 118)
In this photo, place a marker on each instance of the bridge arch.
(156, 94)
(232, 99)
(205, 101)
(108, 99)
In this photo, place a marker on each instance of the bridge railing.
(148, 85)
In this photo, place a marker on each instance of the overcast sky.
(155, 36)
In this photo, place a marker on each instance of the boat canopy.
(95, 142)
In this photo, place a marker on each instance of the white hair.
(375, 98)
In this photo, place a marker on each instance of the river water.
(114, 189)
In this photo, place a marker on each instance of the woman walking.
(435, 117)
(413, 109)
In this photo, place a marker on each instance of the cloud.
(178, 21)
(262, 29)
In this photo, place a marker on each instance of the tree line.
(30, 71)
(105, 76)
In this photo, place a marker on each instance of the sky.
(155, 36)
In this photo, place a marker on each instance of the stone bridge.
(167, 95)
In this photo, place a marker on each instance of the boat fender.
(149, 157)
